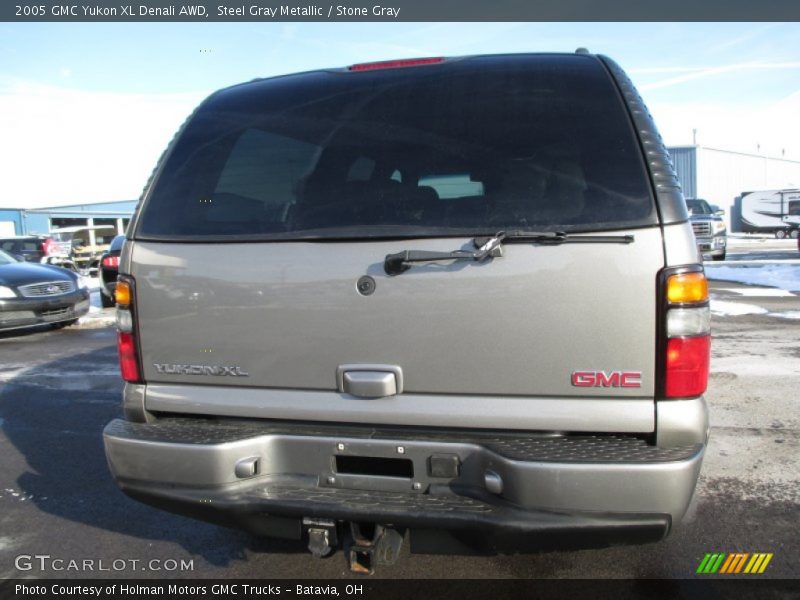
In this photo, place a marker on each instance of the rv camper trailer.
(771, 211)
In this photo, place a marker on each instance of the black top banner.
(398, 10)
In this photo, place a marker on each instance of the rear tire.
(794, 233)
(780, 234)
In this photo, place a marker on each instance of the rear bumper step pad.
(523, 481)
(278, 509)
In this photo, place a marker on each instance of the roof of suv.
(411, 63)
(24, 237)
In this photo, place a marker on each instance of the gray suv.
(451, 300)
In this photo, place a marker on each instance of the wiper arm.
(487, 247)
(394, 264)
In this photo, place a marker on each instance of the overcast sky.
(86, 109)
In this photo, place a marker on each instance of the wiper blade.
(554, 238)
(492, 247)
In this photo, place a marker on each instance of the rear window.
(466, 147)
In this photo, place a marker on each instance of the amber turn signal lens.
(687, 287)
(122, 293)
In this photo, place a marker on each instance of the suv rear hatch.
(280, 195)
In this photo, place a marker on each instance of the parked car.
(35, 294)
(82, 252)
(37, 248)
(709, 228)
(417, 295)
(109, 269)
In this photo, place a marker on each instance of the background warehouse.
(720, 176)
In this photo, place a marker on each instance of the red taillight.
(128, 360)
(687, 331)
(127, 344)
(687, 366)
(396, 64)
(111, 261)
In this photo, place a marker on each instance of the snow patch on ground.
(95, 321)
(756, 366)
(92, 283)
(6, 543)
(760, 292)
(735, 309)
(723, 308)
(97, 317)
(783, 276)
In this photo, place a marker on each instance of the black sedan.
(36, 294)
(109, 269)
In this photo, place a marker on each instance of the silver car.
(456, 301)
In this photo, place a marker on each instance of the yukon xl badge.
(626, 379)
(216, 370)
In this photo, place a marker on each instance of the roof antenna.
(582, 50)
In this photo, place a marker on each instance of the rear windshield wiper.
(492, 247)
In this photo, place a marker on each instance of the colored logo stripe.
(758, 563)
(720, 562)
(735, 563)
(711, 563)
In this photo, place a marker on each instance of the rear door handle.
(369, 381)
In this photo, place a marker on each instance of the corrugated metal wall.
(37, 223)
(685, 161)
(722, 176)
(11, 216)
(123, 207)
(38, 220)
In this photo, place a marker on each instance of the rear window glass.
(466, 147)
(452, 186)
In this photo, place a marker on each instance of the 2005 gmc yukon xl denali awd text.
(455, 297)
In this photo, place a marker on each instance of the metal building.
(21, 221)
(721, 176)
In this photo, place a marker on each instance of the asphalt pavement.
(59, 388)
